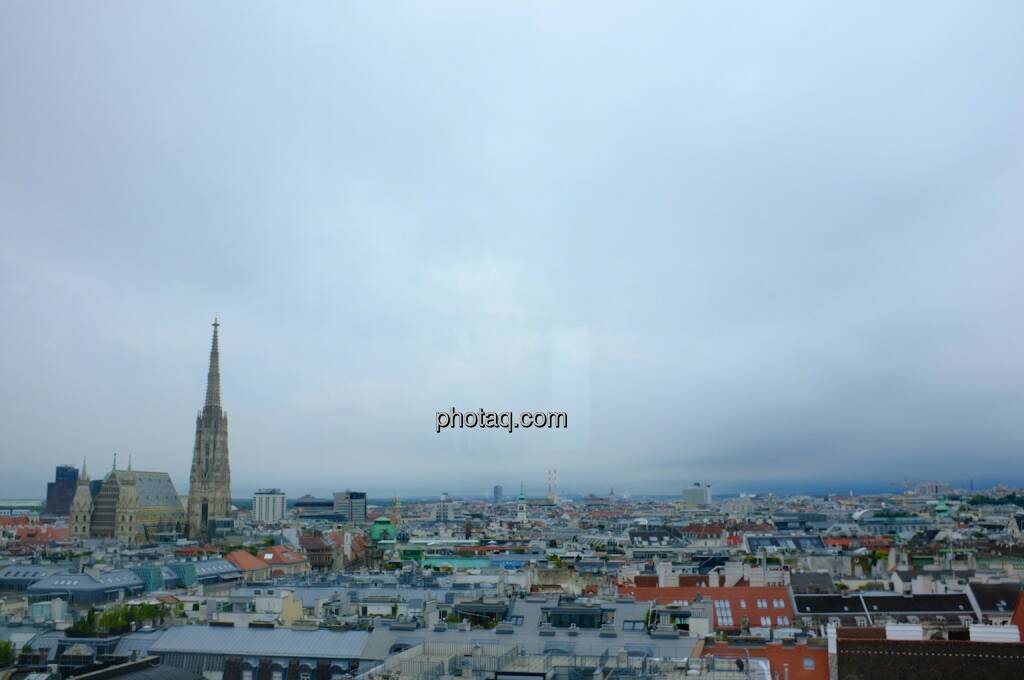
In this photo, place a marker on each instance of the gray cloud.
(791, 234)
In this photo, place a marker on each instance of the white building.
(269, 506)
(445, 510)
(698, 494)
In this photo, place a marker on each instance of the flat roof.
(284, 642)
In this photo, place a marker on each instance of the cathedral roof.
(155, 489)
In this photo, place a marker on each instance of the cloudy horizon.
(762, 247)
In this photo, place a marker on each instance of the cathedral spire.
(213, 377)
(209, 492)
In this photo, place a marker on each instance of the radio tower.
(553, 486)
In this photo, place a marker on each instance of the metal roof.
(57, 583)
(214, 567)
(282, 642)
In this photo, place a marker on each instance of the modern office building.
(352, 504)
(269, 506)
(499, 493)
(61, 490)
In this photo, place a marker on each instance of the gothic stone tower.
(209, 494)
(126, 527)
(81, 507)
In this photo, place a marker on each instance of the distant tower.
(81, 507)
(396, 513)
(553, 486)
(209, 494)
(521, 507)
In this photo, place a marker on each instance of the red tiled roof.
(44, 533)
(245, 561)
(780, 656)
(280, 554)
(16, 521)
(707, 530)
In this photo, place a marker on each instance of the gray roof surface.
(54, 583)
(137, 642)
(310, 594)
(527, 636)
(214, 567)
(155, 489)
(282, 642)
(29, 571)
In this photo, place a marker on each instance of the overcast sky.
(764, 245)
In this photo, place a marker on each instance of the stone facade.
(209, 495)
(80, 517)
(131, 507)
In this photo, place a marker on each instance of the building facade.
(80, 512)
(61, 491)
(444, 511)
(352, 504)
(209, 494)
(131, 506)
(269, 506)
(698, 494)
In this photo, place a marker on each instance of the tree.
(6, 653)
(83, 627)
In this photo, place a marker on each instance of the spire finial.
(129, 462)
(114, 466)
(213, 376)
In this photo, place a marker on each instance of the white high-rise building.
(269, 506)
(698, 494)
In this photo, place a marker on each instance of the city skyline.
(731, 247)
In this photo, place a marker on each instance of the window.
(779, 604)
(723, 612)
(766, 620)
(782, 620)
(743, 604)
(516, 620)
(808, 663)
(632, 625)
(762, 604)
